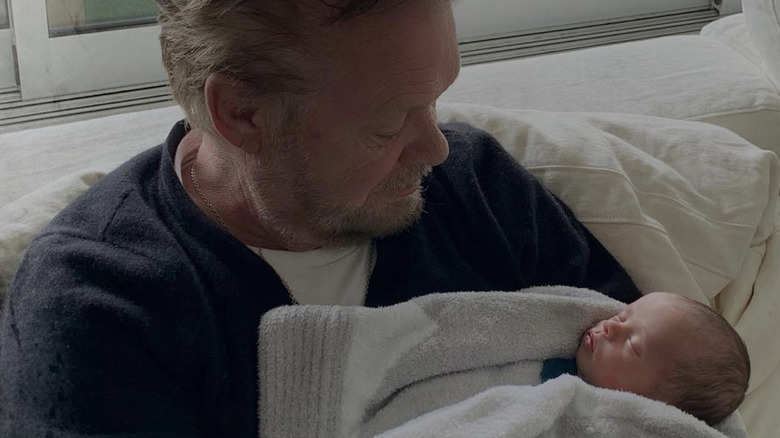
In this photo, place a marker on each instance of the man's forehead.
(399, 63)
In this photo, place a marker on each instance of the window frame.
(64, 65)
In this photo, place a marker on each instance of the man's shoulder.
(477, 157)
(474, 148)
(125, 200)
(114, 233)
(464, 138)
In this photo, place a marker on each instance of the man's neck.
(217, 187)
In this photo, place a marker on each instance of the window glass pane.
(4, 22)
(69, 17)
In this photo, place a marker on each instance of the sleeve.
(518, 231)
(89, 345)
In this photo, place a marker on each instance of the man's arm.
(88, 346)
(509, 210)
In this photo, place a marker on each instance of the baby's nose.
(612, 329)
(600, 327)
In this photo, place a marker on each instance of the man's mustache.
(404, 178)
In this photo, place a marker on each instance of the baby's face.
(633, 350)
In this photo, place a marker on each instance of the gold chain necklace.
(194, 178)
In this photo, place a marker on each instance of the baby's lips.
(587, 339)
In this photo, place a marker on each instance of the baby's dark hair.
(711, 384)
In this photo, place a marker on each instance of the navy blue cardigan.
(133, 315)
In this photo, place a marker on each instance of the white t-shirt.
(322, 276)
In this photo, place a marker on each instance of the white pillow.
(732, 31)
(23, 219)
(686, 77)
(763, 20)
(678, 203)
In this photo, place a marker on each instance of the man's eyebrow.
(402, 104)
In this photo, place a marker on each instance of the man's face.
(633, 350)
(368, 140)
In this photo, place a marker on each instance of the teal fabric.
(553, 368)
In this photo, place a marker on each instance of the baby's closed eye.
(633, 344)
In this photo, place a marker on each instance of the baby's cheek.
(580, 358)
(608, 381)
(585, 367)
(599, 376)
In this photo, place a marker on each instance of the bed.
(706, 220)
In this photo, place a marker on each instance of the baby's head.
(669, 348)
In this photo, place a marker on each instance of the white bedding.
(732, 31)
(33, 158)
(680, 77)
(754, 312)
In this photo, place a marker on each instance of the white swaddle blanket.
(449, 365)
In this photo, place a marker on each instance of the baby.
(669, 348)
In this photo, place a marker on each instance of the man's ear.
(232, 114)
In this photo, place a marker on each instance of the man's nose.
(428, 147)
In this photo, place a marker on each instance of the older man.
(310, 171)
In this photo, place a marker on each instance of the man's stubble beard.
(297, 210)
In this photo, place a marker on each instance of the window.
(7, 62)
(69, 17)
(4, 21)
(491, 30)
(485, 17)
(78, 56)
(67, 47)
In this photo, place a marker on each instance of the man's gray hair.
(264, 45)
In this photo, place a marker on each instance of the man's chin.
(381, 219)
(397, 216)
(394, 218)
